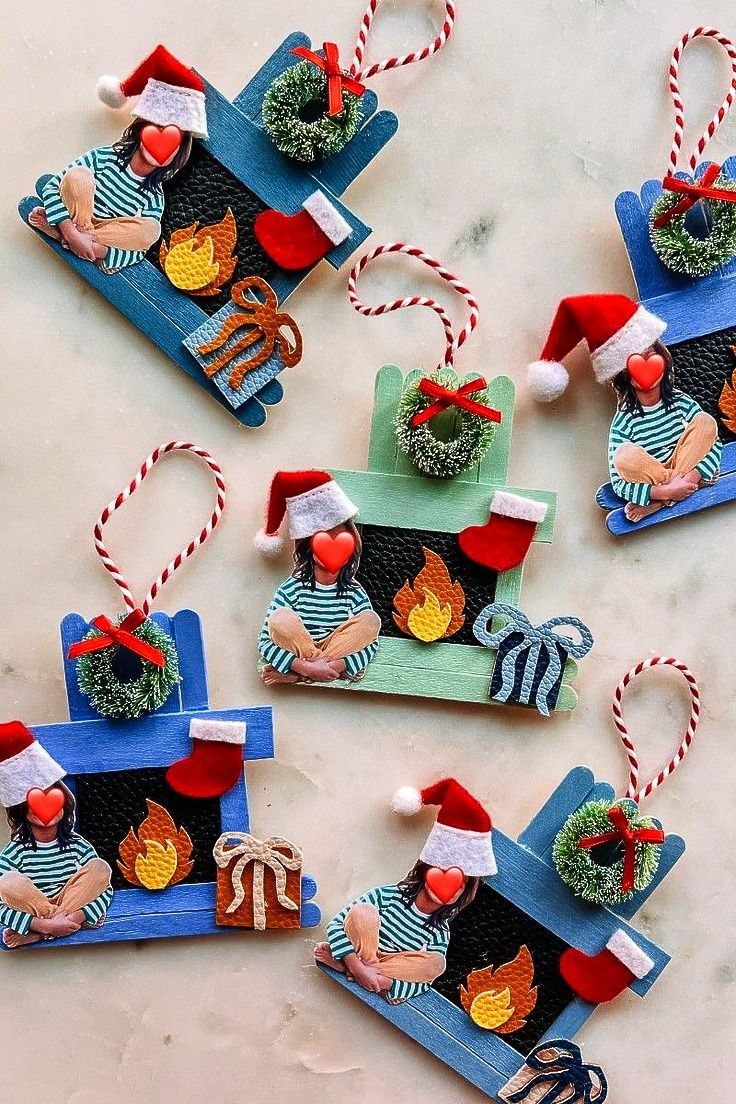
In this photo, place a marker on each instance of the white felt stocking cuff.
(220, 732)
(623, 947)
(327, 217)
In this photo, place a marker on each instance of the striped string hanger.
(134, 659)
(429, 394)
(705, 184)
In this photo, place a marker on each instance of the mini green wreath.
(295, 115)
(427, 452)
(680, 250)
(99, 678)
(594, 881)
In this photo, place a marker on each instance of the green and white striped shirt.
(322, 610)
(49, 868)
(403, 928)
(657, 431)
(118, 193)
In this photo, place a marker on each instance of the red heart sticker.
(645, 371)
(45, 804)
(160, 142)
(444, 884)
(333, 552)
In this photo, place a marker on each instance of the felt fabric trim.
(515, 506)
(167, 105)
(31, 768)
(327, 217)
(635, 336)
(321, 508)
(471, 851)
(623, 947)
(223, 732)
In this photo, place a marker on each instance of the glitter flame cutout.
(159, 855)
(432, 607)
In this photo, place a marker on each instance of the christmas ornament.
(426, 396)
(130, 667)
(671, 218)
(315, 108)
(606, 851)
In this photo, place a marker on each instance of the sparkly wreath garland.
(595, 882)
(299, 138)
(441, 459)
(129, 700)
(680, 250)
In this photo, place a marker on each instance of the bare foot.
(82, 243)
(323, 954)
(38, 220)
(635, 513)
(271, 677)
(12, 939)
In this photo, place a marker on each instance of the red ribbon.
(121, 635)
(337, 80)
(629, 836)
(692, 193)
(454, 398)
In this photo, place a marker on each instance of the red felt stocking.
(504, 540)
(215, 763)
(599, 978)
(299, 241)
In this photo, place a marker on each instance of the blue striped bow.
(534, 639)
(559, 1065)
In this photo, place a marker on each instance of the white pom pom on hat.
(547, 380)
(268, 544)
(110, 92)
(406, 801)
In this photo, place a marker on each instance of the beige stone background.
(513, 145)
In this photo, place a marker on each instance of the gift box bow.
(535, 638)
(558, 1064)
(278, 854)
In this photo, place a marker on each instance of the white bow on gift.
(278, 854)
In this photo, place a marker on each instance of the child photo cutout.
(424, 573)
(206, 214)
(156, 784)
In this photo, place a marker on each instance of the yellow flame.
(156, 866)
(490, 1010)
(189, 268)
(429, 621)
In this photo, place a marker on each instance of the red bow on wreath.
(629, 837)
(121, 635)
(458, 398)
(692, 193)
(337, 80)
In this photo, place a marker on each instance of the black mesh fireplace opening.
(702, 366)
(112, 802)
(489, 932)
(393, 556)
(202, 192)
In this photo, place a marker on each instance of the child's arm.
(96, 911)
(711, 462)
(14, 919)
(358, 661)
(279, 658)
(638, 493)
(56, 211)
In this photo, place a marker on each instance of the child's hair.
(628, 401)
(414, 882)
(128, 143)
(20, 829)
(304, 562)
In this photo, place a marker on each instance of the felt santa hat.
(170, 93)
(24, 764)
(311, 501)
(461, 835)
(613, 326)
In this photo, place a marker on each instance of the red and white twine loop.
(452, 343)
(362, 74)
(721, 113)
(107, 561)
(633, 792)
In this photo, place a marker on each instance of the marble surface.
(514, 143)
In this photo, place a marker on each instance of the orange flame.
(159, 855)
(500, 1000)
(432, 607)
(201, 261)
(727, 400)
